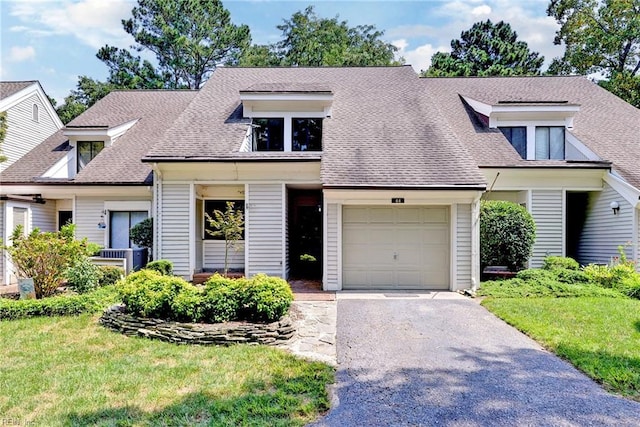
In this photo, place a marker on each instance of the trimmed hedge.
(555, 262)
(60, 305)
(149, 294)
(162, 266)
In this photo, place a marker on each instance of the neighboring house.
(30, 118)
(373, 172)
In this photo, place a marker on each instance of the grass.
(71, 371)
(600, 336)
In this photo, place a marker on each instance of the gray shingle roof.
(382, 131)
(9, 88)
(606, 124)
(120, 163)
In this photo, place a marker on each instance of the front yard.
(71, 371)
(595, 327)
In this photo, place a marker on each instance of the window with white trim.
(549, 143)
(87, 151)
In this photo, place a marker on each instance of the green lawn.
(600, 336)
(71, 371)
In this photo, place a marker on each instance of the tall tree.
(308, 40)
(600, 36)
(486, 49)
(189, 39)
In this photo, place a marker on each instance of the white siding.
(2, 242)
(23, 133)
(214, 255)
(265, 229)
(603, 231)
(285, 213)
(44, 216)
(199, 233)
(463, 247)
(174, 227)
(87, 215)
(546, 209)
(330, 279)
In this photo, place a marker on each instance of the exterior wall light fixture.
(615, 207)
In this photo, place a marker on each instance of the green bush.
(109, 275)
(142, 233)
(622, 277)
(188, 305)
(62, 305)
(162, 266)
(147, 293)
(507, 234)
(83, 276)
(571, 276)
(266, 298)
(543, 287)
(555, 262)
(223, 298)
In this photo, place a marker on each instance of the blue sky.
(55, 41)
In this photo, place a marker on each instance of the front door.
(305, 234)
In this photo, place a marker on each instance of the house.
(30, 118)
(363, 177)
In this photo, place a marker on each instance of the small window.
(306, 135)
(219, 205)
(64, 218)
(268, 135)
(35, 113)
(87, 151)
(550, 143)
(517, 137)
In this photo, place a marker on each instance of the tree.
(600, 37)
(486, 49)
(142, 235)
(228, 224)
(189, 39)
(3, 134)
(308, 40)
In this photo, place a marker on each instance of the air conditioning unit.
(135, 258)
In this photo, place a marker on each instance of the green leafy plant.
(109, 275)
(83, 276)
(162, 266)
(307, 258)
(507, 234)
(223, 298)
(147, 293)
(266, 298)
(555, 262)
(228, 224)
(45, 257)
(142, 234)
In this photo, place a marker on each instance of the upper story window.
(549, 143)
(268, 134)
(35, 113)
(517, 137)
(306, 135)
(86, 151)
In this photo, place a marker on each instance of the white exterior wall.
(214, 255)
(603, 231)
(547, 209)
(44, 216)
(265, 228)
(200, 242)
(463, 247)
(330, 279)
(174, 225)
(23, 133)
(2, 242)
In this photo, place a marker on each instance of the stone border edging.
(198, 333)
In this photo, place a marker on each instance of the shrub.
(571, 276)
(507, 234)
(162, 266)
(142, 234)
(147, 293)
(45, 257)
(109, 275)
(223, 298)
(61, 305)
(555, 262)
(266, 298)
(83, 276)
(543, 287)
(188, 305)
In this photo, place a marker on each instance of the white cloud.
(481, 10)
(21, 53)
(93, 22)
(420, 57)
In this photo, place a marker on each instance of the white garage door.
(395, 247)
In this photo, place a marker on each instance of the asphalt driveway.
(444, 360)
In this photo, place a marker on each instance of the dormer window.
(549, 143)
(517, 137)
(87, 151)
(306, 135)
(268, 134)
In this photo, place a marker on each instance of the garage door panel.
(396, 247)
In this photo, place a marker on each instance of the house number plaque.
(397, 200)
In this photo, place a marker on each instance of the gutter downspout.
(475, 243)
(157, 222)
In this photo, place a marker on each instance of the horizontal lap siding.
(265, 229)
(87, 216)
(546, 209)
(603, 231)
(44, 216)
(331, 275)
(214, 255)
(174, 210)
(463, 247)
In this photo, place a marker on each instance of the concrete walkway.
(442, 359)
